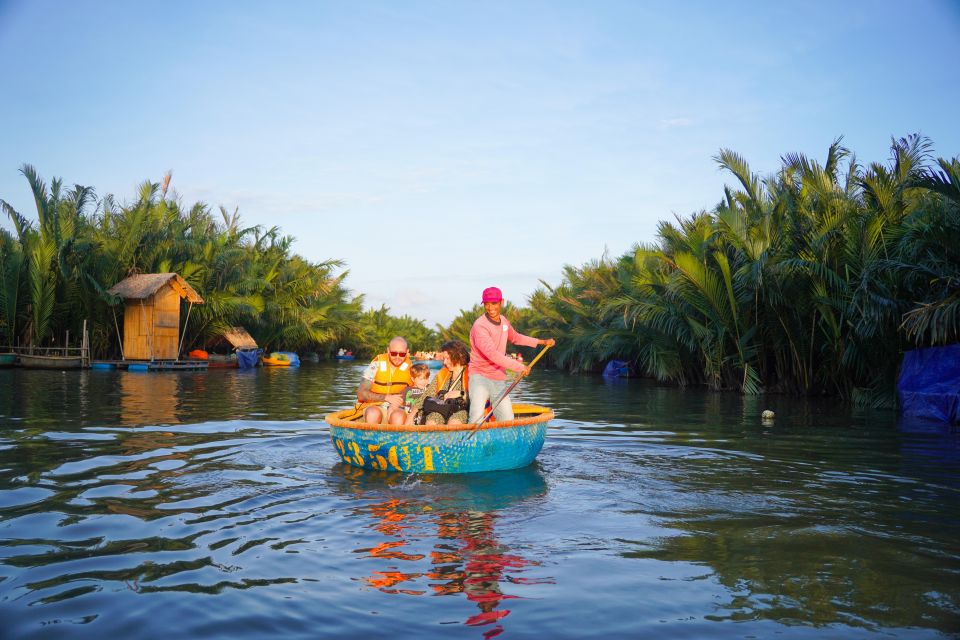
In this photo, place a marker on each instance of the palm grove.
(811, 280)
(55, 272)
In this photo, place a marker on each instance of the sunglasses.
(398, 354)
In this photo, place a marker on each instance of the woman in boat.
(445, 399)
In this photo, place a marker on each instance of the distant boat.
(343, 357)
(218, 361)
(281, 359)
(8, 359)
(50, 362)
(213, 360)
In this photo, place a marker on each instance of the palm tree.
(11, 266)
(54, 251)
(930, 257)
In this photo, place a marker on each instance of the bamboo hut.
(151, 317)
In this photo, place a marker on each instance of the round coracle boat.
(460, 448)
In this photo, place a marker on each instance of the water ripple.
(651, 512)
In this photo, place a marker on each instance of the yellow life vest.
(390, 379)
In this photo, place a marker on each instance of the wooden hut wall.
(151, 327)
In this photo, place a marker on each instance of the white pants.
(483, 389)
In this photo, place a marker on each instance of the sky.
(437, 148)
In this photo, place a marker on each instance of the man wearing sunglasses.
(384, 382)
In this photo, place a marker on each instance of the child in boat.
(413, 396)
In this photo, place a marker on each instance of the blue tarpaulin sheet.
(247, 359)
(929, 384)
(616, 369)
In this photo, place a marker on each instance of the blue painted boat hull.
(443, 449)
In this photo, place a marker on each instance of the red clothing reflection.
(466, 558)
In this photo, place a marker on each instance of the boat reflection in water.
(438, 536)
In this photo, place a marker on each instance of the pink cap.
(492, 294)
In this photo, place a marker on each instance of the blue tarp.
(616, 369)
(247, 359)
(929, 384)
(292, 357)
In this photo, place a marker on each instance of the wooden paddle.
(506, 392)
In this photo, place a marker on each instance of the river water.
(213, 505)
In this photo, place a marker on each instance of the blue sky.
(463, 143)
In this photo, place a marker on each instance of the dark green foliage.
(813, 280)
(55, 274)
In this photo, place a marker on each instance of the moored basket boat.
(494, 446)
(50, 362)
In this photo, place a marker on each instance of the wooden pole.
(184, 336)
(85, 346)
(117, 327)
(149, 322)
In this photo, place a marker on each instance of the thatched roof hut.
(144, 285)
(239, 338)
(151, 318)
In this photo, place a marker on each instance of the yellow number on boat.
(355, 448)
(376, 461)
(392, 458)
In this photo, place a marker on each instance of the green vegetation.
(813, 280)
(55, 272)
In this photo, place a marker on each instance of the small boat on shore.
(281, 359)
(493, 446)
(213, 360)
(219, 361)
(50, 362)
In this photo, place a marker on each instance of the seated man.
(384, 381)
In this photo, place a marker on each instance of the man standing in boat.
(384, 381)
(489, 361)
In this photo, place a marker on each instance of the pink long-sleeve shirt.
(488, 348)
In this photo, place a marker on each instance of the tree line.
(812, 280)
(55, 272)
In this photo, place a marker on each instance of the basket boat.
(50, 362)
(494, 446)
